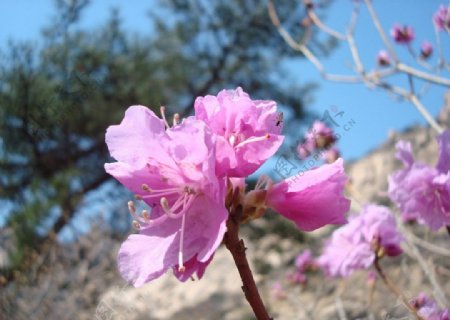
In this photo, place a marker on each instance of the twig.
(396, 291)
(237, 248)
(419, 106)
(429, 246)
(301, 47)
(380, 29)
(340, 309)
(437, 290)
(423, 75)
(315, 19)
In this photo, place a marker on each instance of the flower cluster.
(319, 137)
(357, 244)
(402, 34)
(185, 172)
(383, 58)
(428, 309)
(442, 18)
(303, 263)
(420, 191)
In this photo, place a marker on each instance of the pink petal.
(140, 135)
(314, 199)
(146, 256)
(192, 266)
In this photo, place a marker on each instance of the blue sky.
(374, 112)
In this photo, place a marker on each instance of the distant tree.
(58, 98)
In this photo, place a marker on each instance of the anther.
(146, 188)
(136, 225)
(232, 140)
(145, 214)
(131, 207)
(164, 204)
(162, 109)
(176, 119)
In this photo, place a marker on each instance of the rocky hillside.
(80, 281)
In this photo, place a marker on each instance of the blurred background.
(70, 68)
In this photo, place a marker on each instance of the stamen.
(183, 201)
(144, 220)
(181, 267)
(232, 140)
(162, 109)
(253, 139)
(131, 207)
(164, 204)
(264, 182)
(136, 225)
(157, 193)
(145, 215)
(176, 119)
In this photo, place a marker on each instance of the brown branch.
(396, 291)
(237, 248)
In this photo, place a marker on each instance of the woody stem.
(237, 248)
(394, 289)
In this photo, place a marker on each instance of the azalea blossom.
(420, 191)
(248, 131)
(319, 136)
(428, 309)
(383, 58)
(402, 34)
(426, 50)
(277, 291)
(332, 154)
(173, 172)
(188, 175)
(313, 199)
(303, 263)
(442, 18)
(355, 245)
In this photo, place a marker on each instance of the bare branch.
(380, 29)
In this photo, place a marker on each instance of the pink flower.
(442, 18)
(420, 191)
(321, 133)
(352, 246)
(305, 149)
(426, 50)
(248, 131)
(319, 136)
(402, 34)
(313, 199)
(277, 291)
(303, 263)
(428, 309)
(331, 155)
(383, 58)
(173, 171)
